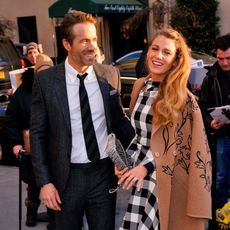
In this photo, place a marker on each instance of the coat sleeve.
(199, 181)
(38, 135)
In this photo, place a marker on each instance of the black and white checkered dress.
(142, 212)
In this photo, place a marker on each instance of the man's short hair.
(70, 19)
(223, 42)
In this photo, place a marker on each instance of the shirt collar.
(72, 72)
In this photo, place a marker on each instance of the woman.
(174, 192)
(18, 124)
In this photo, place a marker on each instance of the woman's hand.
(136, 174)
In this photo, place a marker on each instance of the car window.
(126, 89)
(9, 58)
(19, 47)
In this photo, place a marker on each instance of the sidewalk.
(9, 198)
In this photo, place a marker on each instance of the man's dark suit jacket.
(51, 140)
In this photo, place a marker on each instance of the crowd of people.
(61, 116)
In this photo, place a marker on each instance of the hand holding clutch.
(117, 153)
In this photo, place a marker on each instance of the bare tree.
(6, 27)
(159, 8)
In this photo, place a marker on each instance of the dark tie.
(87, 123)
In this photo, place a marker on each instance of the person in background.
(100, 56)
(31, 50)
(43, 62)
(71, 167)
(215, 92)
(141, 67)
(171, 176)
(18, 125)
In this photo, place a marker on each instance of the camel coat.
(183, 171)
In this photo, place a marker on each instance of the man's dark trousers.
(87, 192)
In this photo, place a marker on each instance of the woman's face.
(161, 56)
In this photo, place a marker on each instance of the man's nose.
(92, 46)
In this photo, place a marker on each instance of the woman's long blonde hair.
(173, 93)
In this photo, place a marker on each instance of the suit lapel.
(61, 92)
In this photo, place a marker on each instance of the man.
(215, 92)
(31, 50)
(100, 56)
(73, 180)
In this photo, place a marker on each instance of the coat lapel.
(154, 129)
(61, 92)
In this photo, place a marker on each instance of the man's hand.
(119, 173)
(136, 174)
(17, 149)
(50, 197)
(217, 123)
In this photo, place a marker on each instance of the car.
(20, 49)
(126, 89)
(9, 60)
(200, 63)
(126, 64)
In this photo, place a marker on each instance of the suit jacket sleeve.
(121, 124)
(38, 136)
(117, 120)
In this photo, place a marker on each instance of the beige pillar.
(150, 22)
(165, 11)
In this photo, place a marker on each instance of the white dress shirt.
(79, 154)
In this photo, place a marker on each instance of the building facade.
(33, 22)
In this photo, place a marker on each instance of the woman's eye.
(154, 48)
(166, 53)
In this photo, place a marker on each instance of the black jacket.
(18, 110)
(18, 119)
(211, 95)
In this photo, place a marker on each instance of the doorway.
(27, 29)
(124, 37)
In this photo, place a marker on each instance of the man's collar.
(74, 71)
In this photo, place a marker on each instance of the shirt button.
(174, 153)
(157, 154)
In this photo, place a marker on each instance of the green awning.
(61, 7)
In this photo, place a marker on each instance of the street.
(9, 202)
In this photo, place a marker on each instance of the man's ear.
(66, 44)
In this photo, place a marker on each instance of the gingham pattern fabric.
(142, 212)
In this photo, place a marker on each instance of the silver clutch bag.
(117, 153)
